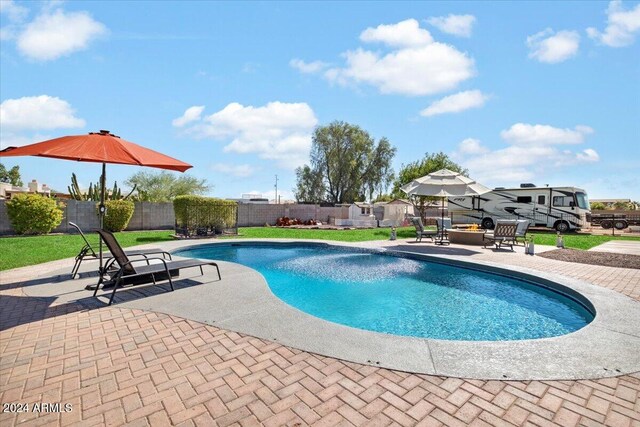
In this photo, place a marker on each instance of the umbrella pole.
(442, 222)
(103, 182)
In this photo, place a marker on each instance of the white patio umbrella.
(444, 183)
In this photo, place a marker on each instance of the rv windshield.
(583, 201)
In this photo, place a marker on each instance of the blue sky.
(542, 92)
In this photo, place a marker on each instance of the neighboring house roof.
(400, 202)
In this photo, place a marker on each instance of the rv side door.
(541, 209)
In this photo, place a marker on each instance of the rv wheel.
(562, 226)
(487, 224)
(620, 224)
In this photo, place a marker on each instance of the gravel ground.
(594, 258)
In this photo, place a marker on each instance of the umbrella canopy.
(99, 147)
(444, 183)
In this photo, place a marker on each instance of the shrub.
(119, 213)
(201, 215)
(33, 213)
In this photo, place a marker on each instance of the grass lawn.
(361, 235)
(576, 241)
(30, 250)
(22, 251)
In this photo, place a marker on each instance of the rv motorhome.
(561, 208)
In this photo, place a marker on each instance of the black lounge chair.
(127, 274)
(503, 234)
(88, 251)
(420, 231)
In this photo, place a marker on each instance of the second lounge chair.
(149, 273)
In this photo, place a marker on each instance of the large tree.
(11, 176)
(430, 163)
(346, 165)
(165, 186)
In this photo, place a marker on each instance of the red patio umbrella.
(99, 147)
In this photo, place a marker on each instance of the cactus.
(74, 189)
(94, 191)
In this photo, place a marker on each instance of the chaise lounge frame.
(420, 230)
(128, 274)
(88, 251)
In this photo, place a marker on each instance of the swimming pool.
(404, 296)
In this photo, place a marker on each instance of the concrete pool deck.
(243, 302)
(70, 339)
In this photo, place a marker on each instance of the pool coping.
(243, 302)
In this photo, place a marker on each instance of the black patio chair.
(127, 274)
(503, 234)
(88, 251)
(420, 230)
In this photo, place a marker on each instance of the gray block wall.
(146, 216)
(255, 215)
(160, 216)
(250, 215)
(152, 216)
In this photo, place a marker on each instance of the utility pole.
(277, 201)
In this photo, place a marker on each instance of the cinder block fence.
(146, 216)
(160, 216)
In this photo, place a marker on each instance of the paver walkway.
(629, 247)
(117, 366)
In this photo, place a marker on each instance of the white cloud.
(456, 103)
(16, 14)
(277, 131)
(14, 11)
(526, 157)
(588, 155)
(403, 34)
(54, 34)
(471, 146)
(551, 48)
(622, 26)
(524, 133)
(241, 171)
(250, 67)
(190, 115)
(458, 25)
(308, 67)
(415, 65)
(38, 112)
(424, 70)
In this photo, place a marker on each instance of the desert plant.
(33, 213)
(119, 213)
(93, 193)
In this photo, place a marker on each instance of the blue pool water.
(404, 296)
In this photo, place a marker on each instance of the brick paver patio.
(118, 366)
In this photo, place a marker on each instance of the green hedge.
(204, 215)
(33, 213)
(119, 213)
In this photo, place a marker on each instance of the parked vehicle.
(561, 208)
(616, 220)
